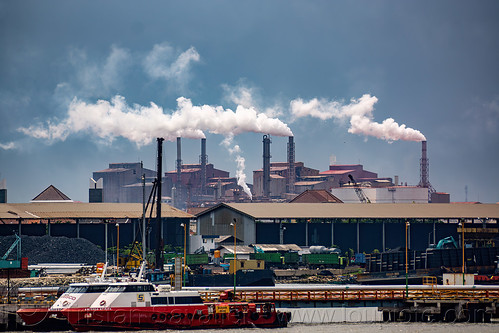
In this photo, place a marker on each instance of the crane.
(362, 197)
(17, 243)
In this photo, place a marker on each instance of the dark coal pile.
(46, 249)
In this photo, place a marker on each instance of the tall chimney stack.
(425, 171)
(291, 165)
(179, 171)
(203, 160)
(423, 182)
(266, 166)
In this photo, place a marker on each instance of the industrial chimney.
(266, 166)
(203, 159)
(291, 165)
(425, 171)
(179, 171)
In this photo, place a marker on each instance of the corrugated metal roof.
(113, 170)
(309, 183)
(389, 210)
(335, 172)
(68, 210)
(240, 249)
(277, 247)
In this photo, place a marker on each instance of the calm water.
(359, 328)
(368, 327)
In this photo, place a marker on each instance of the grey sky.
(432, 66)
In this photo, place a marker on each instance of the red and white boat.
(51, 319)
(139, 306)
(78, 295)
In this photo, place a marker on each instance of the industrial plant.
(203, 185)
(298, 222)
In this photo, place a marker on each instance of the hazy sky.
(88, 83)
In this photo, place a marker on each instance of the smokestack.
(203, 160)
(423, 182)
(179, 171)
(291, 165)
(159, 230)
(425, 171)
(266, 166)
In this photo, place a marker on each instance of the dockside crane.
(362, 197)
(4, 262)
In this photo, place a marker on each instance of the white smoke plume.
(142, 124)
(240, 175)
(165, 62)
(360, 113)
(249, 96)
(7, 146)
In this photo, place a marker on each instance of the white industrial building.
(391, 194)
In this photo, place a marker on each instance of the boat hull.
(43, 319)
(176, 317)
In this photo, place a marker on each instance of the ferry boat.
(77, 295)
(140, 306)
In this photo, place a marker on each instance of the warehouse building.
(362, 228)
(96, 222)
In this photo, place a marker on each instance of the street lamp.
(462, 245)
(235, 255)
(185, 261)
(117, 248)
(406, 262)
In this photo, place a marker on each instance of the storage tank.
(318, 249)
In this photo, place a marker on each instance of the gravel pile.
(46, 249)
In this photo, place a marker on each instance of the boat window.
(77, 289)
(96, 289)
(159, 300)
(139, 288)
(188, 300)
(116, 289)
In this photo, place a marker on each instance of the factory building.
(279, 175)
(186, 186)
(122, 183)
(218, 185)
(390, 194)
(3, 191)
(362, 228)
(339, 174)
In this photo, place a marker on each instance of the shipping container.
(321, 259)
(197, 259)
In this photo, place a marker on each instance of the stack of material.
(46, 249)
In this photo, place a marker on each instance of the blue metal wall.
(370, 234)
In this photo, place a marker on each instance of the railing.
(336, 295)
(477, 295)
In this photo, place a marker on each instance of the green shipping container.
(291, 258)
(269, 257)
(197, 259)
(321, 259)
